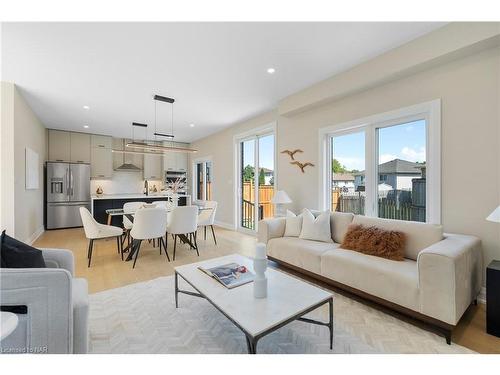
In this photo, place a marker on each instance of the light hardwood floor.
(108, 271)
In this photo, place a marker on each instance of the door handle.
(66, 180)
(71, 183)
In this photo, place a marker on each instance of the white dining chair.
(206, 217)
(164, 204)
(129, 207)
(148, 223)
(96, 231)
(182, 221)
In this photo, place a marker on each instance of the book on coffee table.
(230, 275)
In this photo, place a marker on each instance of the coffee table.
(288, 299)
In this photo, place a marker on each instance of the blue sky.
(266, 150)
(405, 141)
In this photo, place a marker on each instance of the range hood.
(128, 167)
(127, 160)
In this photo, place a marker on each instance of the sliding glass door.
(256, 180)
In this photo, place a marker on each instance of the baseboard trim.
(481, 298)
(31, 239)
(224, 225)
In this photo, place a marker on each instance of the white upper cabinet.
(101, 141)
(80, 147)
(175, 161)
(169, 161)
(181, 161)
(101, 163)
(59, 145)
(153, 167)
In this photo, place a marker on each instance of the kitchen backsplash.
(123, 183)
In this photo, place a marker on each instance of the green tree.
(337, 167)
(248, 173)
(262, 177)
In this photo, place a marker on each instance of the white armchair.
(52, 306)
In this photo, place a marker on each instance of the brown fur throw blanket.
(375, 241)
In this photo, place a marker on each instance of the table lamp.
(495, 215)
(279, 200)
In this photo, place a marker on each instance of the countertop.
(131, 196)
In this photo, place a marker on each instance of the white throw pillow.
(316, 229)
(293, 224)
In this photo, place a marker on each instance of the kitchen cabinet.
(59, 145)
(80, 147)
(153, 167)
(175, 161)
(181, 161)
(101, 141)
(101, 163)
(169, 160)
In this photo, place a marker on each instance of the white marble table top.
(8, 323)
(287, 295)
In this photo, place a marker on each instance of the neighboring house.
(268, 176)
(344, 181)
(397, 173)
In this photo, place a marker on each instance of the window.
(203, 180)
(347, 160)
(401, 154)
(393, 160)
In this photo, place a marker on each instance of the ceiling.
(217, 72)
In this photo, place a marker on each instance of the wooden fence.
(266, 193)
(209, 191)
(389, 208)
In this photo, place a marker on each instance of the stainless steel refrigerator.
(67, 189)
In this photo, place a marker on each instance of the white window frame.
(429, 111)
(255, 133)
(194, 182)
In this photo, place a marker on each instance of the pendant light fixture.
(155, 147)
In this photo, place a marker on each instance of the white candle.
(260, 251)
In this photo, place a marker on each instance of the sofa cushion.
(80, 315)
(391, 280)
(301, 253)
(339, 222)
(316, 228)
(293, 225)
(418, 235)
(17, 254)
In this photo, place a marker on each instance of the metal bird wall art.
(302, 166)
(291, 153)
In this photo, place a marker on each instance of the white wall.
(22, 210)
(7, 160)
(467, 84)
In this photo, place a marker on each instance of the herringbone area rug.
(142, 318)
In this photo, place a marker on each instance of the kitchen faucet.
(146, 187)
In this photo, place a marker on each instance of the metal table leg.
(176, 290)
(330, 323)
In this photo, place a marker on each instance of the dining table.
(129, 214)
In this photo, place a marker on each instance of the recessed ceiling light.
(191, 125)
(271, 70)
(86, 107)
(86, 126)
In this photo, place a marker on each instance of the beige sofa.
(438, 280)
